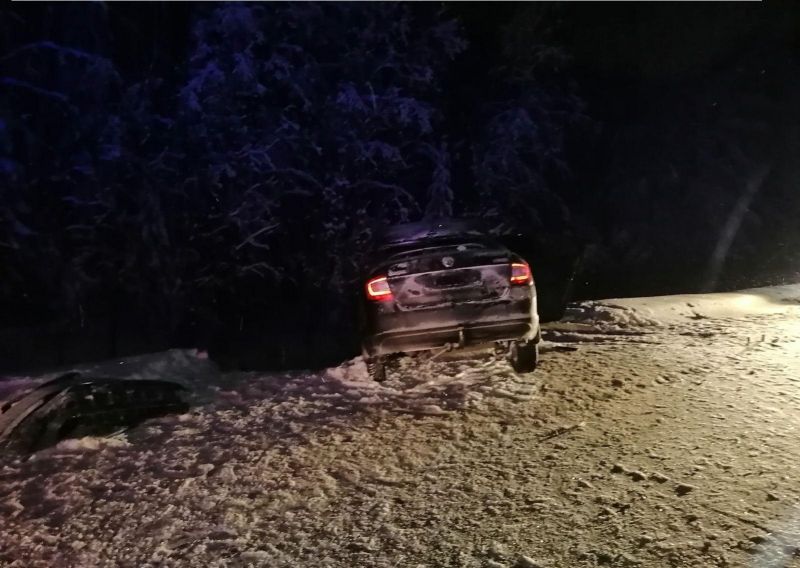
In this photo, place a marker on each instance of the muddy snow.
(656, 432)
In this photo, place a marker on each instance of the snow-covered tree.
(309, 125)
(297, 129)
(519, 151)
(57, 138)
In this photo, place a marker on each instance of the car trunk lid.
(438, 276)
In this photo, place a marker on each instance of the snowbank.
(621, 313)
(190, 367)
(415, 385)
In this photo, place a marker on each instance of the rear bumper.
(391, 330)
(399, 341)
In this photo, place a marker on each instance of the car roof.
(436, 229)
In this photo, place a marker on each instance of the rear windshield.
(420, 248)
(399, 251)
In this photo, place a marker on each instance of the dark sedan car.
(446, 286)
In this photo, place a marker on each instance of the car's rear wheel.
(376, 367)
(524, 356)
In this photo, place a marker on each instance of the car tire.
(524, 356)
(376, 367)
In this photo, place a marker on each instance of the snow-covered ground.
(656, 432)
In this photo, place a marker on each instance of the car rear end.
(443, 293)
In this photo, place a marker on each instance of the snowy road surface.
(657, 432)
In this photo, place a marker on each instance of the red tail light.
(520, 273)
(378, 289)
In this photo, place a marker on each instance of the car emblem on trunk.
(448, 261)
